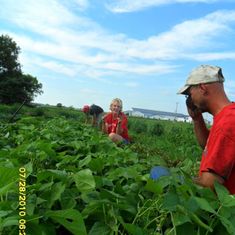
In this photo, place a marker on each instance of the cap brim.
(183, 90)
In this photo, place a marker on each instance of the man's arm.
(200, 130)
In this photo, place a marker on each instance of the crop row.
(79, 182)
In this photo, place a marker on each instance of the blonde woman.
(115, 123)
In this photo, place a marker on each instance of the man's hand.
(193, 110)
(119, 119)
(207, 179)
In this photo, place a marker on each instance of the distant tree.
(9, 52)
(14, 85)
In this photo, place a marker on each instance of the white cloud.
(75, 45)
(185, 38)
(123, 6)
(57, 67)
(30, 13)
(140, 68)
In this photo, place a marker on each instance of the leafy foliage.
(14, 85)
(79, 182)
(156, 129)
(138, 126)
(9, 52)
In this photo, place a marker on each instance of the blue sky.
(91, 51)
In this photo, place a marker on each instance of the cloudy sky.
(91, 51)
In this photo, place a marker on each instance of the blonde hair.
(118, 101)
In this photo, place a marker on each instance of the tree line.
(15, 86)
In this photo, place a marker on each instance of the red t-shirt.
(219, 153)
(112, 124)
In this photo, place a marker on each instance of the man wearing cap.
(205, 93)
(95, 111)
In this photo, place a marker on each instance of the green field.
(61, 176)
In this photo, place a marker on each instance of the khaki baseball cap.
(202, 74)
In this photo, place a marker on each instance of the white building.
(137, 112)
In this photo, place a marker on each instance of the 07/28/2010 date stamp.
(22, 201)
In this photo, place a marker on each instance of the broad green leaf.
(40, 200)
(46, 186)
(225, 198)
(191, 204)
(29, 168)
(40, 229)
(10, 204)
(107, 194)
(228, 225)
(94, 207)
(221, 191)
(99, 228)
(229, 201)
(180, 218)
(170, 201)
(126, 172)
(68, 203)
(55, 193)
(8, 175)
(8, 179)
(225, 212)
(115, 174)
(31, 203)
(7, 188)
(84, 180)
(153, 186)
(133, 229)
(58, 174)
(71, 219)
(90, 196)
(7, 135)
(207, 193)
(68, 198)
(4, 213)
(125, 206)
(97, 164)
(9, 221)
(204, 204)
(30, 208)
(85, 161)
(46, 147)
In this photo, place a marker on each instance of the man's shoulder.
(228, 115)
(226, 123)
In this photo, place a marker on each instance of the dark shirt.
(95, 110)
